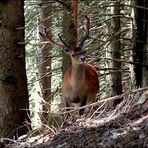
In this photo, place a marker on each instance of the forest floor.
(124, 127)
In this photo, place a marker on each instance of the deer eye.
(84, 51)
(66, 49)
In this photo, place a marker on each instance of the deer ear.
(66, 50)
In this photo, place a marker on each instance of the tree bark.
(44, 61)
(69, 30)
(114, 86)
(13, 80)
(145, 51)
(140, 47)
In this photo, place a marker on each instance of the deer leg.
(83, 103)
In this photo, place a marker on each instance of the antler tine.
(47, 37)
(64, 43)
(86, 26)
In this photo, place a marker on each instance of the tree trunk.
(114, 86)
(139, 41)
(145, 52)
(44, 61)
(69, 30)
(13, 80)
(66, 33)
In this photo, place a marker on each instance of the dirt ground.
(123, 127)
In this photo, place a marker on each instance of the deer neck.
(77, 74)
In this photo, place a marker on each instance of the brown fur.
(85, 92)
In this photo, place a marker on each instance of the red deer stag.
(80, 83)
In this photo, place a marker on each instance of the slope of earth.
(124, 127)
(128, 129)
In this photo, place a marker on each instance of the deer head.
(77, 53)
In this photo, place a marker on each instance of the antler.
(46, 36)
(63, 44)
(86, 26)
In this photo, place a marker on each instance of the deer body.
(80, 83)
